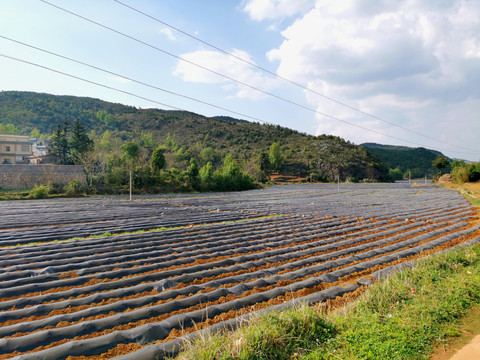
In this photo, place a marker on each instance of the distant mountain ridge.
(418, 161)
(321, 158)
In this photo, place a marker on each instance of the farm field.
(214, 259)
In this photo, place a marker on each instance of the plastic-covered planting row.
(131, 248)
(230, 280)
(81, 210)
(202, 252)
(159, 251)
(393, 197)
(161, 350)
(290, 255)
(61, 232)
(373, 200)
(86, 243)
(185, 236)
(85, 297)
(87, 209)
(292, 252)
(143, 333)
(45, 282)
(296, 260)
(128, 287)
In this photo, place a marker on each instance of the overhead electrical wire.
(237, 81)
(89, 81)
(282, 77)
(206, 69)
(240, 82)
(152, 100)
(131, 79)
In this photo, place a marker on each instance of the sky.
(386, 71)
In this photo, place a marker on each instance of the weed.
(402, 317)
(40, 192)
(276, 335)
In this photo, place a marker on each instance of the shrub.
(54, 188)
(460, 174)
(40, 192)
(74, 187)
(474, 172)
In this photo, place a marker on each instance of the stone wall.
(21, 177)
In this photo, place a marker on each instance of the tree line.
(168, 167)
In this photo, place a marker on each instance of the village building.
(40, 153)
(14, 149)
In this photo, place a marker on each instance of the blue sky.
(412, 68)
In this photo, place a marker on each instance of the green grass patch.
(403, 317)
(14, 195)
(276, 335)
(406, 315)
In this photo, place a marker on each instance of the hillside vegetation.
(185, 135)
(402, 160)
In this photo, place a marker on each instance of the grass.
(403, 317)
(14, 194)
(33, 194)
(470, 190)
(276, 335)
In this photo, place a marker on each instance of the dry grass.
(471, 191)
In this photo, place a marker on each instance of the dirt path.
(471, 351)
(466, 346)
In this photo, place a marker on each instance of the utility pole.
(130, 185)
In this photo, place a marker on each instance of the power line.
(89, 81)
(151, 100)
(132, 80)
(234, 80)
(282, 77)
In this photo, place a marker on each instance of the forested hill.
(418, 161)
(317, 157)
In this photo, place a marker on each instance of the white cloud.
(394, 59)
(168, 33)
(228, 66)
(273, 9)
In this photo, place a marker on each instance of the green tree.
(231, 177)
(35, 134)
(130, 152)
(106, 118)
(193, 175)
(79, 142)
(9, 129)
(209, 155)
(206, 176)
(457, 163)
(158, 159)
(265, 166)
(106, 140)
(148, 140)
(440, 162)
(171, 143)
(473, 172)
(395, 174)
(59, 145)
(275, 156)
